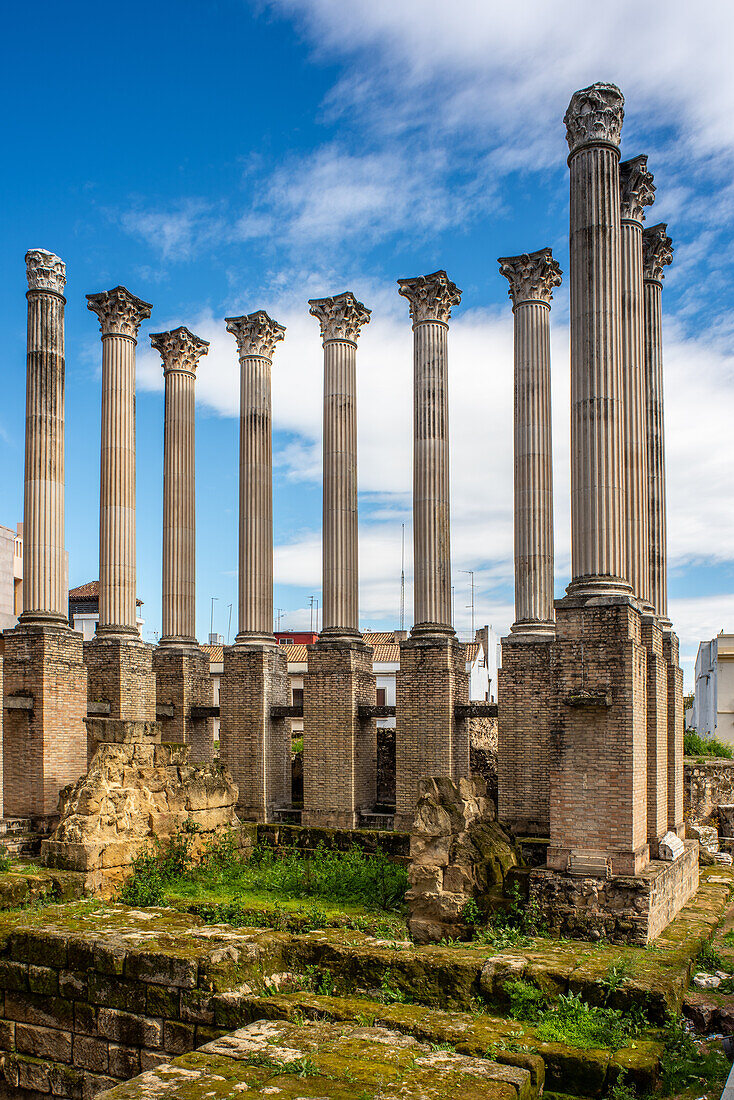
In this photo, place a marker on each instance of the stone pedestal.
(526, 702)
(429, 739)
(45, 695)
(183, 682)
(256, 747)
(120, 673)
(339, 748)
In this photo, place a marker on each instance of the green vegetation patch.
(695, 745)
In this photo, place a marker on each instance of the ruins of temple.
(590, 691)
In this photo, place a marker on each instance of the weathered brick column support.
(256, 749)
(119, 663)
(183, 679)
(339, 749)
(45, 740)
(429, 741)
(524, 720)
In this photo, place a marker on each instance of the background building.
(11, 575)
(84, 609)
(713, 701)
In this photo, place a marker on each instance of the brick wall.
(44, 748)
(120, 672)
(339, 749)
(255, 747)
(657, 732)
(183, 681)
(675, 733)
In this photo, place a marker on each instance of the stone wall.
(707, 784)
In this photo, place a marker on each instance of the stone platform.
(621, 908)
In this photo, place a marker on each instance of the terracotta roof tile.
(90, 591)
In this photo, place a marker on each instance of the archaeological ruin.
(109, 751)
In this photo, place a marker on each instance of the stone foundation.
(120, 673)
(255, 747)
(707, 784)
(136, 789)
(183, 681)
(429, 739)
(45, 704)
(339, 747)
(630, 909)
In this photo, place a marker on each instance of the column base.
(120, 674)
(45, 704)
(183, 682)
(533, 628)
(339, 748)
(594, 585)
(255, 747)
(430, 742)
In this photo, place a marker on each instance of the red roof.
(90, 591)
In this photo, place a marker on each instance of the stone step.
(327, 1061)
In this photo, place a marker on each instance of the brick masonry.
(671, 652)
(255, 747)
(339, 748)
(120, 672)
(657, 732)
(429, 740)
(44, 747)
(183, 681)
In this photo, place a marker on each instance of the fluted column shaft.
(635, 410)
(45, 594)
(179, 509)
(256, 498)
(533, 469)
(431, 507)
(340, 549)
(658, 559)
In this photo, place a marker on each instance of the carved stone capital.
(119, 311)
(531, 276)
(657, 251)
(180, 349)
(636, 188)
(45, 271)
(431, 297)
(340, 317)
(256, 334)
(594, 117)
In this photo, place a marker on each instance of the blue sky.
(225, 157)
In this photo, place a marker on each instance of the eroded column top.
(341, 317)
(256, 334)
(636, 188)
(594, 117)
(431, 297)
(657, 252)
(180, 349)
(120, 312)
(45, 271)
(531, 276)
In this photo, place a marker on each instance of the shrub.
(696, 745)
(570, 1020)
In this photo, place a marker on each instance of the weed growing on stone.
(570, 1020)
(708, 959)
(390, 994)
(4, 861)
(688, 1063)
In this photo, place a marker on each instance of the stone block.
(178, 1038)
(7, 1035)
(129, 1030)
(33, 1008)
(162, 1001)
(124, 1062)
(90, 1054)
(43, 979)
(49, 1044)
(161, 969)
(113, 992)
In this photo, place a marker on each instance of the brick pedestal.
(45, 704)
(429, 740)
(255, 747)
(339, 749)
(120, 672)
(183, 681)
(526, 698)
(657, 733)
(675, 733)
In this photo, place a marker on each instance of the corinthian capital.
(531, 276)
(119, 311)
(257, 334)
(657, 251)
(431, 297)
(340, 317)
(180, 349)
(636, 189)
(594, 116)
(45, 271)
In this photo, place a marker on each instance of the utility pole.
(211, 619)
(402, 583)
(453, 606)
(312, 599)
(229, 624)
(279, 612)
(317, 614)
(470, 573)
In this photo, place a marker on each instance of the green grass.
(695, 745)
(571, 1021)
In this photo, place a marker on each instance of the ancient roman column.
(45, 592)
(532, 278)
(120, 314)
(657, 252)
(431, 298)
(593, 126)
(257, 335)
(180, 351)
(341, 319)
(636, 192)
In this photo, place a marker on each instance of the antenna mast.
(402, 583)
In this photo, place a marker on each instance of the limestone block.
(670, 847)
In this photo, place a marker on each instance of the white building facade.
(712, 712)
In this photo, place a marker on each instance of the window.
(382, 697)
(297, 697)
